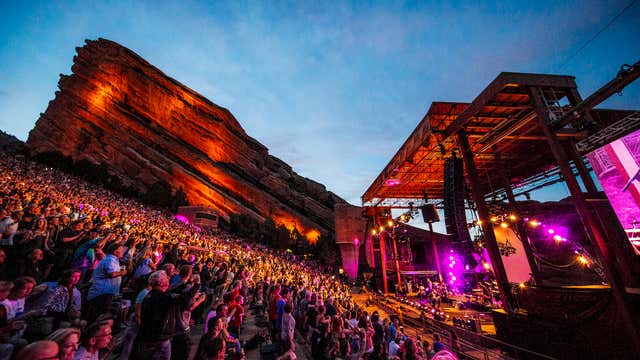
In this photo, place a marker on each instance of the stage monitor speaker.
(429, 213)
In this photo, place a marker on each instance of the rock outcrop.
(10, 144)
(119, 110)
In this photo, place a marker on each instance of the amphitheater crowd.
(89, 274)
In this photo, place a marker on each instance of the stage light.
(390, 223)
(381, 228)
(451, 266)
(486, 266)
(450, 257)
(373, 232)
(534, 223)
(450, 274)
(513, 217)
(454, 278)
(504, 225)
(341, 271)
(557, 237)
(494, 219)
(583, 260)
(551, 231)
(479, 222)
(522, 285)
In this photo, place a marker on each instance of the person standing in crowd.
(284, 299)
(144, 266)
(187, 284)
(9, 227)
(156, 330)
(237, 309)
(84, 256)
(68, 240)
(32, 267)
(273, 308)
(106, 283)
(134, 323)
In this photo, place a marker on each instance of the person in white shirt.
(394, 346)
(14, 304)
(288, 324)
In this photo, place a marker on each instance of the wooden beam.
(487, 225)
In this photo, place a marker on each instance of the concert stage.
(566, 271)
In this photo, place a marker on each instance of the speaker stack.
(454, 211)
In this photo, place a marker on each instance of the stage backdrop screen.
(617, 167)
(513, 256)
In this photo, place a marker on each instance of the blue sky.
(332, 88)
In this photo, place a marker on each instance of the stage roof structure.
(503, 132)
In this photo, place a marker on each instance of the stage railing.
(473, 345)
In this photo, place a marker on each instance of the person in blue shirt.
(280, 308)
(393, 331)
(106, 282)
(84, 256)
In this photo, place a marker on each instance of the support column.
(574, 99)
(520, 225)
(383, 262)
(396, 260)
(589, 222)
(435, 253)
(487, 226)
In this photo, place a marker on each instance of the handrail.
(442, 327)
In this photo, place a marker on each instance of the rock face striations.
(119, 110)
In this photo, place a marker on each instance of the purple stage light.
(182, 219)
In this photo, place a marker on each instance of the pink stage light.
(392, 182)
(182, 219)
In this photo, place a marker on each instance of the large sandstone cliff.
(119, 110)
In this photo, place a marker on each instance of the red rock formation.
(118, 109)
